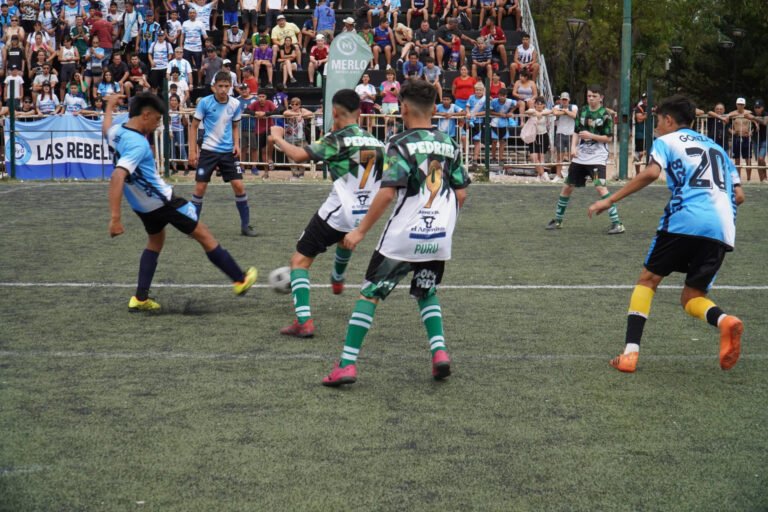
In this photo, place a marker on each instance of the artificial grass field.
(205, 407)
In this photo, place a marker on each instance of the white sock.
(631, 347)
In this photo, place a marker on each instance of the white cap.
(741, 101)
(320, 37)
(226, 61)
(565, 96)
(280, 17)
(349, 20)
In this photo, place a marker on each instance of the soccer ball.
(280, 280)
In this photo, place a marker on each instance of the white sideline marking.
(442, 287)
(63, 354)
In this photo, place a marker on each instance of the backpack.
(528, 133)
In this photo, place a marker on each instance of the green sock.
(432, 316)
(613, 212)
(562, 204)
(300, 292)
(340, 263)
(359, 324)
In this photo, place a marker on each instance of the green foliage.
(704, 69)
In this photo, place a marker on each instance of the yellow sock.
(698, 307)
(640, 303)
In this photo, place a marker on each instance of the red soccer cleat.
(441, 365)
(305, 330)
(731, 329)
(340, 376)
(337, 287)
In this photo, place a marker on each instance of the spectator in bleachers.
(502, 117)
(261, 109)
(226, 67)
(760, 120)
(15, 30)
(281, 31)
(28, 9)
(47, 102)
(288, 59)
(210, 66)
(373, 8)
(496, 86)
(509, 8)
(526, 59)
(383, 41)
(717, 125)
(349, 24)
(367, 36)
(107, 85)
(539, 148)
(234, 40)
(132, 21)
(102, 29)
(447, 35)
(178, 126)
(565, 126)
(160, 55)
(250, 80)
(45, 77)
(181, 64)
(463, 9)
(37, 47)
(390, 91)
(432, 74)
(280, 99)
(73, 102)
(296, 118)
(475, 111)
(308, 34)
(441, 9)
(249, 13)
(447, 113)
(147, 36)
(413, 68)
(462, 87)
(119, 70)
(47, 18)
(495, 38)
(191, 40)
(524, 91)
(318, 56)
(404, 41)
(419, 9)
(36, 68)
(324, 20)
(244, 58)
(425, 40)
(482, 59)
(14, 56)
(487, 9)
(230, 8)
(173, 28)
(94, 64)
(393, 8)
(741, 136)
(276, 8)
(137, 77)
(204, 13)
(367, 93)
(263, 33)
(264, 56)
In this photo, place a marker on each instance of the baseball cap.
(226, 62)
(320, 37)
(160, 33)
(565, 96)
(741, 101)
(280, 17)
(150, 13)
(14, 66)
(243, 86)
(349, 20)
(759, 103)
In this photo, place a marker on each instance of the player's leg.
(206, 162)
(340, 263)
(576, 178)
(147, 266)
(706, 259)
(426, 277)
(599, 179)
(232, 172)
(382, 276)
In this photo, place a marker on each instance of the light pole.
(676, 51)
(575, 27)
(640, 57)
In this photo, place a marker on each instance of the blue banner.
(59, 147)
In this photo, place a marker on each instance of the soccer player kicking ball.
(423, 173)
(152, 199)
(355, 159)
(696, 230)
(220, 114)
(589, 147)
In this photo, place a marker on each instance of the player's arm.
(116, 183)
(236, 138)
(379, 206)
(192, 141)
(642, 180)
(295, 153)
(109, 107)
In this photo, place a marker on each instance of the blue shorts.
(230, 18)
(741, 147)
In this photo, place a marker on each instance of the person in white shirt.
(16, 81)
(566, 113)
(226, 67)
(182, 65)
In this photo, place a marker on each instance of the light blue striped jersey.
(701, 178)
(144, 189)
(217, 119)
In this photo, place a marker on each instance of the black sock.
(713, 314)
(147, 266)
(635, 325)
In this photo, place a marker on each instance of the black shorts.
(639, 145)
(250, 16)
(226, 164)
(578, 173)
(741, 147)
(156, 77)
(317, 237)
(698, 258)
(384, 274)
(195, 59)
(540, 145)
(179, 213)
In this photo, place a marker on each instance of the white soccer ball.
(280, 280)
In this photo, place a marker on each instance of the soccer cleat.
(626, 362)
(305, 330)
(147, 305)
(248, 231)
(241, 287)
(339, 376)
(337, 287)
(554, 224)
(441, 365)
(617, 228)
(731, 329)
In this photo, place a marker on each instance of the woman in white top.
(367, 93)
(47, 102)
(540, 146)
(68, 58)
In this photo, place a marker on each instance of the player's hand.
(236, 152)
(599, 207)
(351, 239)
(115, 228)
(192, 160)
